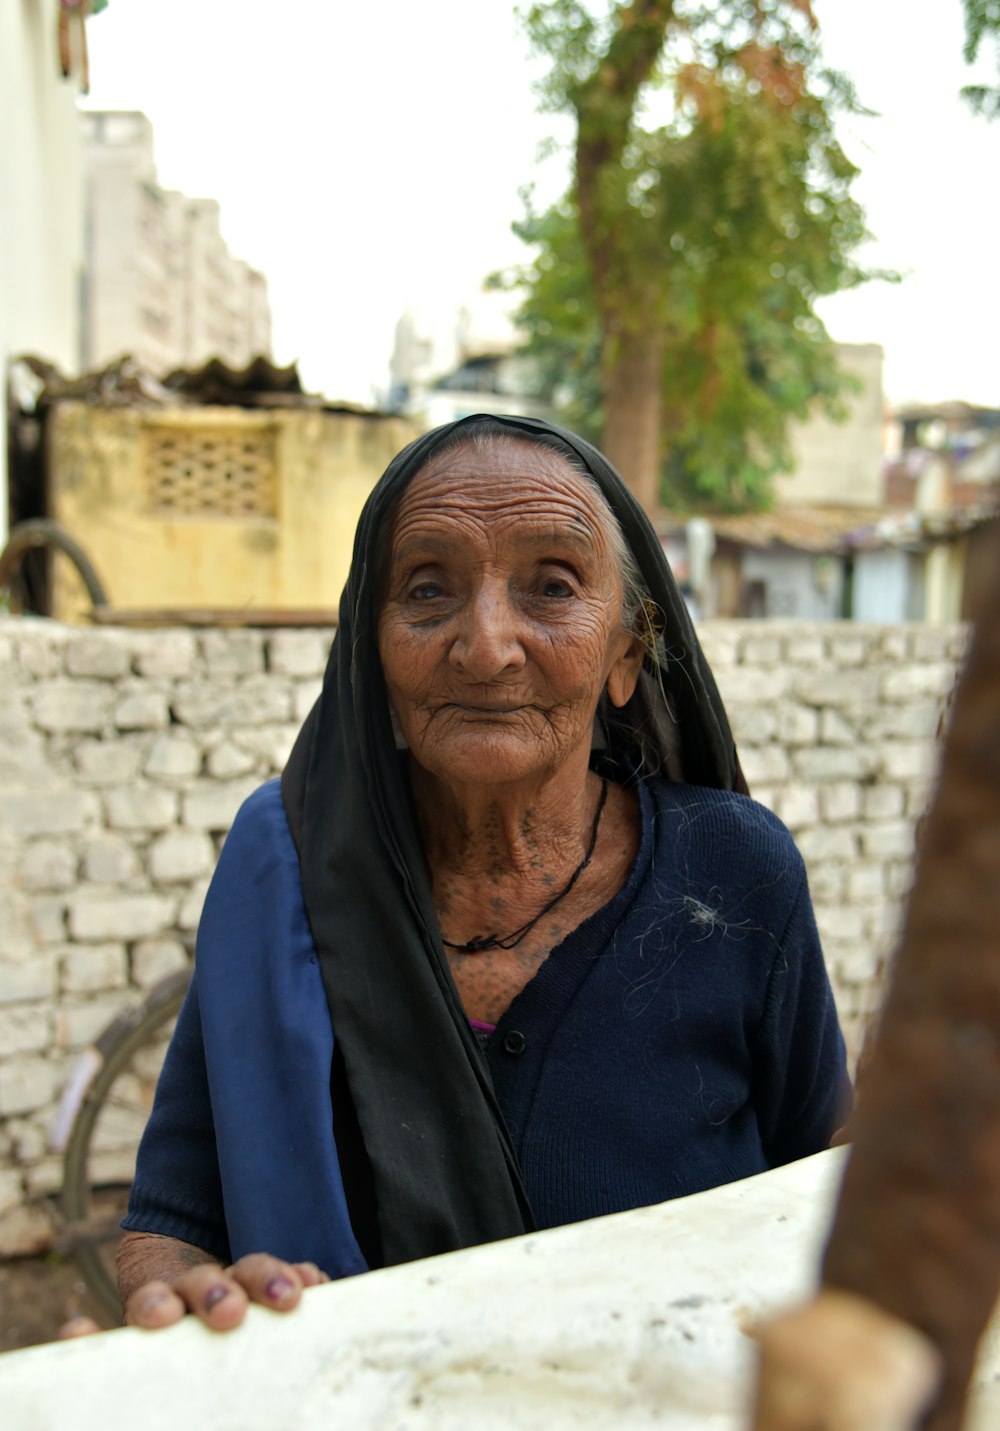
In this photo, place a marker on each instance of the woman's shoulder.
(710, 822)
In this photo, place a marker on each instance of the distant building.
(41, 224)
(159, 282)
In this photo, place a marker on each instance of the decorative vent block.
(211, 472)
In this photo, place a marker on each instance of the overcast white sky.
(368, 157)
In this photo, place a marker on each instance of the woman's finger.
(215, 1296)
(269, 1281)
(154, 1304)
(77, 1327)
(312, 1276)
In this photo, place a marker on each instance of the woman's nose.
(487, 642)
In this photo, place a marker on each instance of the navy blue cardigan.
(682, 1037)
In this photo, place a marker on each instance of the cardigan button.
(515, 1042)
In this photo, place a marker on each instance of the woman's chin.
(485, 757)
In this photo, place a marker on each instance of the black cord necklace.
(509, 941)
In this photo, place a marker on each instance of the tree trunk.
(633, 401)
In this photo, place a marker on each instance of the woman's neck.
(529, 831)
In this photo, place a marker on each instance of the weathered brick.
(891, 839)
(173, 757)
(882, 802)
(100, 917)
(89, 967)
(11, 1191)
(260, 700)
(48, 864)
(78, 1025)
(48, 919)
(26, 1083)
(839, 921)
(141, 807)
(72, 705)
(233, 653)
(154, 959)
(865, 882)
(21, 982)
(907, 760)
(760, 651)
(855, 689)
(44, 1178)
(838, 728)
(797, 806)
(109, 859)
(797, 725)
(272, 743)
(856, 965)
(167, 655)
(189, 914)
(25, 1231)
(298, 653)
(848, 651)
(840, 801)
(41, 650)
(212, 805)
(747, 684)
(913, 720)
(753, 725)
(228, 760)
(821, 844)
(142, 710)
(720, 642)
(106, 762)
(764, 764)
(48, 811)
(804, 651)
(894, 645)
(305, 696)
(909, 683)
(180, 855)
(25, 1028)
(101, 654)
(834, 763)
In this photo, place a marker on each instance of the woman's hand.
(220, 1297)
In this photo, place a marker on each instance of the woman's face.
(501, 618)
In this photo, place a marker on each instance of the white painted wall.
(41, 211)
(889, 587)
(840, 463)
(800, 586)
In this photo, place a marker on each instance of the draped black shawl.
(444, 1171)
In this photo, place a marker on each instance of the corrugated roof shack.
(217, 506)
(183, 502)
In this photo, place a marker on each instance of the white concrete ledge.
(629, 1321)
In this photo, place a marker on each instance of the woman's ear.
(624, 674)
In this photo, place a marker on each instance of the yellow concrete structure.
(215, 507)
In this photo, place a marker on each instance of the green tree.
(671, 303)
(982, 21)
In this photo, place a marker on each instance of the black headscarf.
(444, 1171)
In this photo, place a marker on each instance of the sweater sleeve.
(801, 1088)
(177, 1191)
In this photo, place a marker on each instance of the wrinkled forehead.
(505, 481)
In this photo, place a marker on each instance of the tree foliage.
(982, 22)
(701, 236)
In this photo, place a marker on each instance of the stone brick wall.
(124, 755)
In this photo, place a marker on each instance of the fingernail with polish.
(279, 1289)
(214, 1297)
(150, 1303)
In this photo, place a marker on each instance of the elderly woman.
(507, 947)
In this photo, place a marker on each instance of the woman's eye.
(555, 587)
(425, 591)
